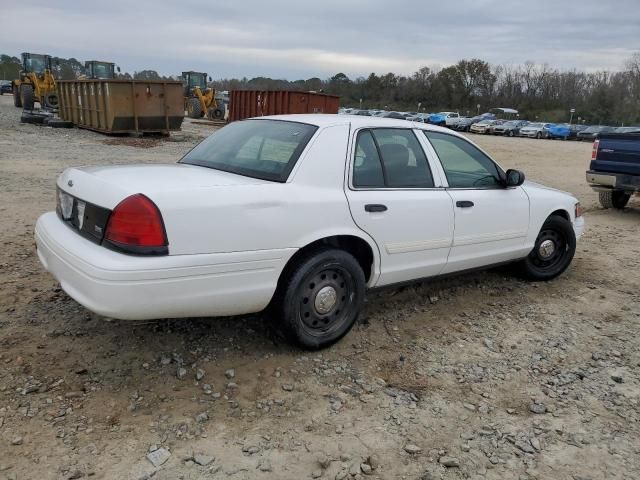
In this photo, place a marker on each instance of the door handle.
(375, 207)
(464, 203)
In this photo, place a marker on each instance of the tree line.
(537, 91)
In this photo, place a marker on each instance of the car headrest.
(395, 153)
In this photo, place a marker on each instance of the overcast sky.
(301, 39)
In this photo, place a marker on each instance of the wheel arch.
(561, 212)
(363, 250)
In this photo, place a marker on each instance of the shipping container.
(258, 103)
(122, 106)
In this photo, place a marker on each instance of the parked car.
(614, 171)
(510, 128)
(494, 124)
(437, 119)
(464, 124)
(449, 117)
(575, 129)
(396, 115)
(559, 130)
(535, 130)
(420, 118)
(483, 126)
(453, 122)
(233, 227)
(591, 133)
(5, 87)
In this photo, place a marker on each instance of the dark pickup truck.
(615, 167)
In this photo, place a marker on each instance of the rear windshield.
(265, 149)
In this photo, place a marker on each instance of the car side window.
(367, 168)
(464, 165)
(392, 158)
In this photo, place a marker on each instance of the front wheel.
(538, 135)
(319, 298)
(553, 251)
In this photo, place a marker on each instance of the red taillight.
(136, 226)
(594, 152)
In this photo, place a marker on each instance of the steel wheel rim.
(318, 315)
(540, 255)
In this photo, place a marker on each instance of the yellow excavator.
(36, 83)
(199, 100)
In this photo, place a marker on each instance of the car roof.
(357, 121)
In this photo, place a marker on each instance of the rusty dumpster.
(257, 103)
(122, 106)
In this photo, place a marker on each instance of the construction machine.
(100, 70)
(36, 83)
(199, 99)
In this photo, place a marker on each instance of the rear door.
(491, 221)
(394, 197)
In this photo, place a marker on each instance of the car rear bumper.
(147, 287)
(603, 181)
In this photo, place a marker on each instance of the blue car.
(437, 119)
(562, 131)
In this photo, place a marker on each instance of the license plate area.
(87, 219)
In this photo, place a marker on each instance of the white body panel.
(231, 236)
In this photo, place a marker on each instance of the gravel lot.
(482, 377)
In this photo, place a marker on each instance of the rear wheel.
(17, 101)
(614, 199)
(553, 251)
(511, 134)
(319, 298)
(194, 108)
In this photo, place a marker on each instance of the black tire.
(26, 96)
(296, 305)
(217, 114)
(59, 123)
(511, 134)
(614, 199)
(32, 118)
(546, 264)
(194, 108)
(17, 101)
(51, 100)
(538, 135)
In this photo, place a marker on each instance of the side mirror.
(209, 78)
(514, 178)
(118, 69)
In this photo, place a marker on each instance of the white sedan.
(301, 214)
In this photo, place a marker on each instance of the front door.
(393, 197)
(491, 221)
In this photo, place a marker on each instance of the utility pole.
(573, 110)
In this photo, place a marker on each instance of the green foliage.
(9, 67)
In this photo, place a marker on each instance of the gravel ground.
(482, 376)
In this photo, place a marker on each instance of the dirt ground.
(482, 377)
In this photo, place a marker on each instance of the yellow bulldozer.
(200, 100)
(36, 83)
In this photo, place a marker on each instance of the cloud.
(287, 39)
